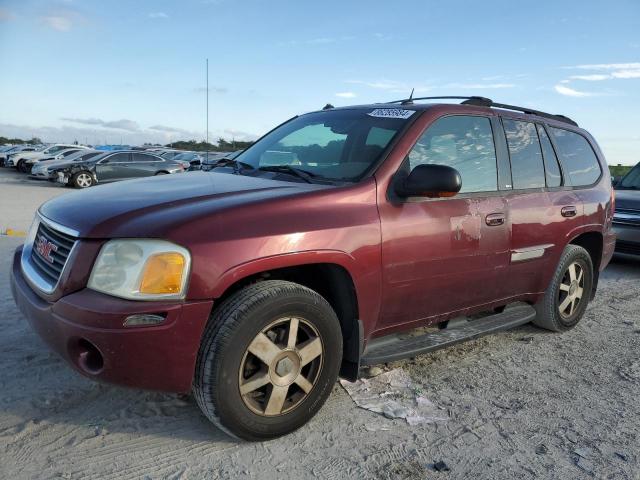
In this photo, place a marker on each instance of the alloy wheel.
(84, 180)
(571, 289)
(281, 366)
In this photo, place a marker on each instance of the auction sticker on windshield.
(391, 113)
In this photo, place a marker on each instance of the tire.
(225, 362)
(82, 179)
(557, 311)
(162, 173)
(23, 167)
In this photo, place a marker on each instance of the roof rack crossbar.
(487, 102)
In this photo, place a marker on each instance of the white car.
(23, 161)
(4, 155)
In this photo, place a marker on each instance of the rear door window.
(465, 143)
(578, 159)
(551, 166)
(143, 157)
(120, 158)
(527, 169)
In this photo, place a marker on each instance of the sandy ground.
(520, 404)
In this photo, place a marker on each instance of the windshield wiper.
(288, 169)
(224, 162)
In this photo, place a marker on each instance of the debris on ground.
(394, 395)
(582, 452)
(541, 449)
(441, 466)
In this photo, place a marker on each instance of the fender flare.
(292, 259)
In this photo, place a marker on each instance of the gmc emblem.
(44, 247)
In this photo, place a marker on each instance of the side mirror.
(614, 181)
(433, 181)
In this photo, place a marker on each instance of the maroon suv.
(257, 284)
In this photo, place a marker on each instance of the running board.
(393, 347)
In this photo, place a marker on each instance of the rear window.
(578, 158)
(527, 169)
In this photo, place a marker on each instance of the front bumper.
(628, 238)
(626, 224)
(86, 329)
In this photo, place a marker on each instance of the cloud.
(171, 130)
(596, 77)
(392, 86)
(211, 89)
(605, 71)
(608, 66)
(58, 22)
(123, 124)
(316, 41)
(6, 15)
(570, 92)
(158, 15)
(346, 95)
(239, 135)
(629, 73)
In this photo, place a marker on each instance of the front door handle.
(569, 211)
(495, 219)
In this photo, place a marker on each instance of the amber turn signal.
(163, 274)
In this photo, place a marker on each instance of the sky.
(134, 71)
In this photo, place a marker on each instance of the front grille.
(627, 217)
(631, 248)
(50, 251)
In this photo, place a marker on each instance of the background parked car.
(4, 156)
(113, 166)
(42, 169)
(211, 158)
(193, 159)
(27, 165)
(21, 160)
(626, 220)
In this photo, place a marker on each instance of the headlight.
(142, 269)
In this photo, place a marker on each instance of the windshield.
(632, 179)
(184, 156)
(335, 144)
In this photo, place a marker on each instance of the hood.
(152, 206)
(628, 200)
(53, 164)
(28, 155)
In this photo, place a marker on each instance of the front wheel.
(82, 180)
(23, 166)
(269, 358)
(567, 296)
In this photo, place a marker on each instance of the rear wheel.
(268, 360)
(566, 298)
(82, 180)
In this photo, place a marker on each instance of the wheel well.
(335, 284)
(592, 242)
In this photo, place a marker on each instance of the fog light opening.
(89, 357)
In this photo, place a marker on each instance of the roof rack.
(487, 102)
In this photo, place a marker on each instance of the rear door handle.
(494, 219)
(569, 211)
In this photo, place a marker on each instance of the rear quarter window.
(577, 157)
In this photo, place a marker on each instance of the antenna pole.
(207, 107)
